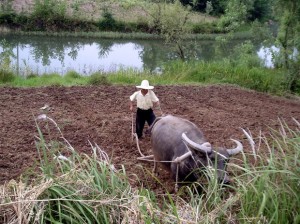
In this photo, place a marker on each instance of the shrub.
(6, 76)
(31, 76)
(47, 13)
(108, 22)
(98, 79)
(206, 28)
(72, 75)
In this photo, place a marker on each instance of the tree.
(235, 15)
(170, 21)
(287, 12)
(261, 10)
(201, 5)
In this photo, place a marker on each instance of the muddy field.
(101, 115)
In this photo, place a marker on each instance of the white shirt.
(144, 102)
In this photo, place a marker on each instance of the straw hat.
(145, 85)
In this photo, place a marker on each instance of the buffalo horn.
(204, 148)
(236, 150)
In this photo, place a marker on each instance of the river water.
(39, 54)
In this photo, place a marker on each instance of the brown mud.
(101, 115)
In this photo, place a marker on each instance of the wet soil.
(100, 115)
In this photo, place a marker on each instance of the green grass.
(194, 72)
(272, 192)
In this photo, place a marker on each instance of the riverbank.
(91, 16)
(176, 73)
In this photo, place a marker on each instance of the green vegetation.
(100, 15)
(80, 188)
(194, 72)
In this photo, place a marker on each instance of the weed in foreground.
(80, 188)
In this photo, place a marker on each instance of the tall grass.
(81, 188)
(71, 188)
(272, 193)
(222, 72)
(256, 78)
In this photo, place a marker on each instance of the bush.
(98, 79)
(72, 75)
(7, 18)
(108, 22)
(32, 76)
(6, 76)
(206, 28)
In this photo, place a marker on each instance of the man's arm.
(131, 106)
(131, 99)
(156, 104)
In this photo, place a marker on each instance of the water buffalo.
(182, 142)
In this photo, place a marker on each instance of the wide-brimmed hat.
(145, 85)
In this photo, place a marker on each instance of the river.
(42, 54)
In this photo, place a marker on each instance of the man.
(145, 99)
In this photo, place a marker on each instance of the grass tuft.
(98, 79)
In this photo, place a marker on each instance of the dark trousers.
(141, 117)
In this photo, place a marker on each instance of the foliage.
(245, 55)
(288, 39)
(6, 76)
(98, 79)
(6, 6)
(261, 10)
(49, 9)
(207, 28)
(6, 55)
(108, 22)
(61, 15)
(218, 6)
(172, 27)
(235, 15)
(51, 15)
(72, 74)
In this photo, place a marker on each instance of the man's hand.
(130, 106)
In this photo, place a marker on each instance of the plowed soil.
(100, 115)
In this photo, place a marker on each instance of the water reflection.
(267, 54)
(60, 54)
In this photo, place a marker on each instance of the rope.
(144, 158)
(137, 144)
(134, 135)
(176, 178)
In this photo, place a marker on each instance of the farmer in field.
(145, 99)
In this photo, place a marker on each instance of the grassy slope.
(122, 10)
